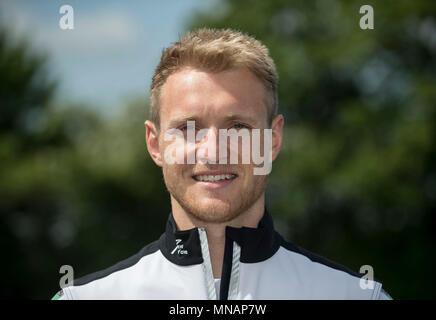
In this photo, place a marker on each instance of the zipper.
(207, 265)
(234, 276)
(230, 271)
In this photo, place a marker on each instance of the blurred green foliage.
(76, 187)
(355, 181)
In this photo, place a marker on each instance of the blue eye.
(185, 128)
(239, 126)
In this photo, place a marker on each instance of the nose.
(207, 150)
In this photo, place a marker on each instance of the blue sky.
(114, 47)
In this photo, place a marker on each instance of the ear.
(152, 140)
(277, 135)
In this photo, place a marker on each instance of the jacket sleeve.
(59, 296)
(384, 296)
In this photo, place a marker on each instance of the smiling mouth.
(214, 178)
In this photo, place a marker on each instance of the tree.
(76, 188)
(356, 178)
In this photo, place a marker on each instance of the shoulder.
(311, 257)
(104, 284)
(325, 278)
(120, 266)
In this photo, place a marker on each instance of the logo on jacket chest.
(179, 248)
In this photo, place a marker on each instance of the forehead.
(197, 94)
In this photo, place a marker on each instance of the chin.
(212, 210)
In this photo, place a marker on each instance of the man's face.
(226, 100)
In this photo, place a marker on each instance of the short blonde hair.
(216, 50)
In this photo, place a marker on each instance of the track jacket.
(258, 264)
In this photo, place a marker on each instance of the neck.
(216, 232)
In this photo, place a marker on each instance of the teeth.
(214, 178)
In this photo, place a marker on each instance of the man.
(219, 242)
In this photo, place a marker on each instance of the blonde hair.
(216, 50)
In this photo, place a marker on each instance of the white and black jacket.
(258, 264)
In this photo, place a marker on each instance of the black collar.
(184, 247)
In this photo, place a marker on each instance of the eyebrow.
(181, 120)
(230, 117)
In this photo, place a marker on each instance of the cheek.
(249, 177)
(172, 176)
(251, 180)
(172, 149)
(172, 170)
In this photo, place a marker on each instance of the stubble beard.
(215, 211)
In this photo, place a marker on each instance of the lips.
(216, 179)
